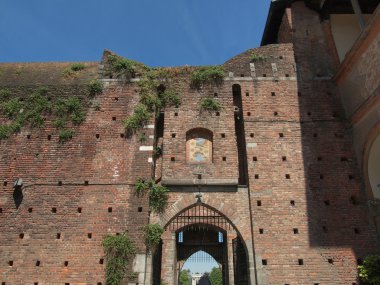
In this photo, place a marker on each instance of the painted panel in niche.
(199, 150)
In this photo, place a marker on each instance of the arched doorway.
(200, 227)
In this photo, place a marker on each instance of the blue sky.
(156, 32)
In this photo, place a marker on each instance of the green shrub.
(12, 107)
(257, 57)
(94, 87)
(210, 104)
(143, 186)
(207, 75)
(139, 118)
(158, 198)
(120, 64)
(59, 123)
(170, 98)
(369, 271)
(77, 66)
(4, 132)
(65, 135)
(119, 250)
(152, 235)
(5, 94)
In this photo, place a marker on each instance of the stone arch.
(216, 204)
(370, 165)
(199, 146)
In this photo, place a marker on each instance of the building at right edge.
(334, 202)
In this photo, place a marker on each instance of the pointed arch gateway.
(201, 227)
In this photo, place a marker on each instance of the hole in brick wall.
(28, 137)
(309, 113)
(1, 210)
(176, 114)
(122, 135)
(10, 262)
(287, 176)
(247, 94)
(223, 135)
(292, 202)
(118, 234)
(86, 182)
(248, 114)
(334, 114)
(49, 137)
(99, 283)
(281, 135)
(259, 203)
(340, 136)
(67, 283)
(173, 135)
(199, 176)
(97, 136)
(109, 209)
(330, 260)
(343, 158)
(35, 283)
(359, 261)
(38, 263)
(275, 113)
(172, 158)
(351, 177)
(316, 283)
(217, 113)
(264, 262)
(101, 261)
(113, 118)
(356, 231)
(37, 154)
(66, 263)
(286, 75)
(300, 261)
(79, 210)
(3, 283)
(21, 236)
(324, 228)
(139, 209)
(5, 183)
(319, 158)
(59, 183)
(58, 236)
(116, 98)
(284, 158)
(273, 93)
(280, 57)
(353, 200)
(315, 135)
(264, 75)
(215, 94)
(224, 158)
(54, 210)
(321, 176)
(261, 231)
(295, 231)
(255, 158)
(256, 176)
(89, 235)
(327, 202)
(299, 94)
(242, 75)
(252, 135)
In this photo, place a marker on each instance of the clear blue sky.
(156, 32)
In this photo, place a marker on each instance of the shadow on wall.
(337, 213)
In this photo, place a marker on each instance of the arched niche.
(199, 146)
(373, 165)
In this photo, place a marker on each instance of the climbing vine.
(152, 235)
(158, 194)
(154, 96)
(369, 271)
(257, 57)
(119, 250)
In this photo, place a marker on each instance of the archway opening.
(195, 233)
(197, 269)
